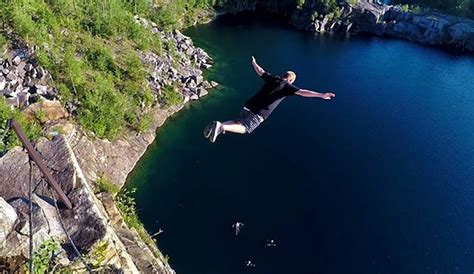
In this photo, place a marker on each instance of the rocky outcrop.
(8, 218)
(429, 28)
(113, 160)
(368, 16)
(87, 223)
(78, 159)
(23, 81)
(180, 65)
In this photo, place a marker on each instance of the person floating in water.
(260, 106)
(249, 263)
(270, 243)
(237, 226)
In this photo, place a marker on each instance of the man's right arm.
(259, 70)
(314, 94)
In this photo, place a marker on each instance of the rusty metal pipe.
(39, 163)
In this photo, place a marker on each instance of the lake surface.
(379, 180)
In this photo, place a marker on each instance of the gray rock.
(23, 99)
(202, 92)
(8, 93)
(8, 218)
(198, 79)
(33, 98)
(12, 101)
(191, 84)
(40, 72)
(27, 81)
(16, 61)
(206, 85)
(21, 71)
(50, 95)
(173, 72)
(179, 36)
(33, 73)
(190, 51)
(185, 99)
(206, 66)
(5, 71)
(29, 67)
(193, 97)
(3, 82)
(11, 76)
(214, 84)
(40, 89)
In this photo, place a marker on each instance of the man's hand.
(257, 68)
(328, 96)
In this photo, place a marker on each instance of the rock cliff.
(367, 16)
(77, 159)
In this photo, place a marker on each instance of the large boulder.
(8, 218)
(51, 110)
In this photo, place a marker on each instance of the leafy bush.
(456, 7)
(170, 96)
(3, 44)
(97, 256)
(300, 4)
(90, 49)
(31, 128)
(43, 258)
(104, 185)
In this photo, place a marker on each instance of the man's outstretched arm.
(314, 94)
(259, 70)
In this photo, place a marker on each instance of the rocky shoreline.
(78, 159)
(370, 17)
(428, 28)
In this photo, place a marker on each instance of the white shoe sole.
(208, 129)
(215, 132)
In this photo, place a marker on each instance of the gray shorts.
(249, 120)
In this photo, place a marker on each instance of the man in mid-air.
(260, 106)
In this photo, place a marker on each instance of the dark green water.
(380, 180)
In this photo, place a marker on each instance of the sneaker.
(208, 129)
(215, 131)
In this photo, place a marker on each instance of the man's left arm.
(314, 94)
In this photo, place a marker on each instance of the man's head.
(290, 76)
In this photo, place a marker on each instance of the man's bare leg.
(232, 126)
(216, 128)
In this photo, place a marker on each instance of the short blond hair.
(290, 75)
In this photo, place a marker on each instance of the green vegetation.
(104, 185)
(463, 8)
(352, 2)
(43, 258)
(31, 128)
(127, 206)
(86, 46)
(300, 4)
(170, 96)
(90, 47)
(97, 256)
(179, 13)
(320, 8)
(3, 44)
